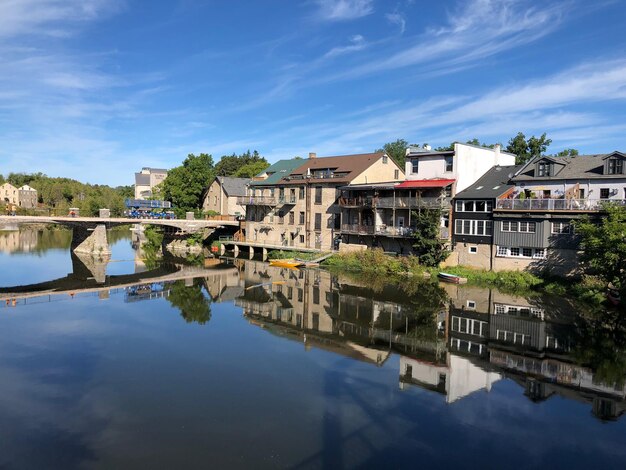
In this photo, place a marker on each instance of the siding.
(539, 239)
(534, 328)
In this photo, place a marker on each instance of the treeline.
(59, 194)
(185, 185)
(522, 147)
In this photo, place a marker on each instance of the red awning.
(441, 183)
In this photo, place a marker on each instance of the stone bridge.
(89, 233)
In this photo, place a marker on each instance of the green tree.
(429, 248)
(185, 184)
(527, 149)
(251, 169)
(603, 245)
(194, 306)
(396, 150)
(567, 153)
(229, 165)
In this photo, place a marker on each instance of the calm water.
(241, 365)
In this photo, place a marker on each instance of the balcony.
(399, 202)
(286, 200)
(565, 205)
(386, 231)
(256, 201)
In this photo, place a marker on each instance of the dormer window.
(544, 169)
(616, 166)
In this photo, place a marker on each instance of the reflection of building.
(529, 341)
(18, 241)
(223, 193)
(147, 179)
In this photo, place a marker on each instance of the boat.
(286, 263)
(453, 278)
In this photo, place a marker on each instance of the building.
(472, 227)
(9, 194)
(146, 180)
(27, 197)
(224, 194)
(293, 202)
(381, 215)
(532, 227)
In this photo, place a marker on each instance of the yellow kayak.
(286, 263)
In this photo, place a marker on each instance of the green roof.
(278, 170)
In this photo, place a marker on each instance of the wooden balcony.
(256, 201)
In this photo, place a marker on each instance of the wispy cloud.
(397, 19)
(340, 10)
(357, 43)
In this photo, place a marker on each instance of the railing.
(387, 231)
(555, 204)
(256, 201)
(356, 228)
(399, 202)
(287, 200)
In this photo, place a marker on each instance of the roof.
(366, 186)
(234, 186)
(277, 171)
(349, 166)
(155, 170)
(493, 184)
(574, 167)
(432, 183)
(27, 188)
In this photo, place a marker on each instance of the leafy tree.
(603, 245)
(396, 150)
(251, 169)
(194, 306)
(567, 153)
(229, 165)
(526, 150)
(185, 184)
(427, 238)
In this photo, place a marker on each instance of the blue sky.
(96, 89)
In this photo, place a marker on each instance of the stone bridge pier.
(90, 240)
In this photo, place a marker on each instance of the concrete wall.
(481, 259)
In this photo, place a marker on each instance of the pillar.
(236, 251)
(90, 242)
(251, 254)
(264, 254)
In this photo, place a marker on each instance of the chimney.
(496, 150)
(312, 155)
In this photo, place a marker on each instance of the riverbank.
(375, 262)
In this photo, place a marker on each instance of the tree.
(185, 184)
(251, 169)
(396, 150)
(603, 245)
(194, 306)
(526, 150)
(567, 153)
(427, 238)
(229, 165)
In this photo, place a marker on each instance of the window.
(396, 174)
(385, 159)
(318, 194)
(415, 165)
(301, 218)
(540, 253)
(473, 250)
(301, 238)
(527, 227)
(281, 217)
(560, 227)
(604, 193)
(468, 325)
(502, 251)
(544, 169)
(616, 166)
(281, 194)
(474, 206)
(449, 163)
(316, 295)
(300, 295)
(318, 221)
(471, 304)
(509, 226)
(473, 227)
(527, 252)
(291, 218)
(514, 251)
(517, 252)
(301, 196)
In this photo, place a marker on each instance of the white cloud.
(398, 19)
(338, 10)
(357, 43)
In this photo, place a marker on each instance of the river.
(236, 364)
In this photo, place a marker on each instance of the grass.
(282, 254)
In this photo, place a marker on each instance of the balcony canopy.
(435, 183)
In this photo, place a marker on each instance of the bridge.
(89, 233)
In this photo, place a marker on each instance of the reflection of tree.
(192, 303)
(601, 345)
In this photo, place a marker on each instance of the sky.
(97, 89)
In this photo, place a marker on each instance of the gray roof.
(234, 186)
(492, 184)
(574, 168)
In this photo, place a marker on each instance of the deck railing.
(399, 202)
(549, 204)
(256, 201)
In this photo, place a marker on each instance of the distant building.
(221, 195)
(27, 197)
(146, 180)
(9, 194)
